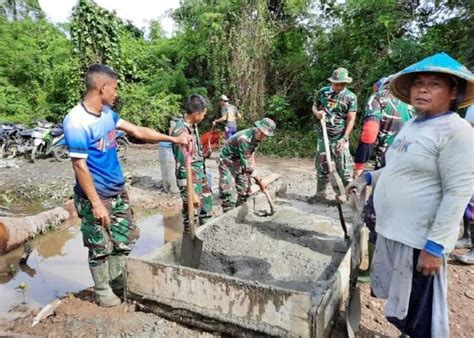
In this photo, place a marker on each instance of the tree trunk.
(14, 231)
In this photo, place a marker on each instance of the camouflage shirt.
(392, 114)
(337, 107)
(240, 147)
(180, 127)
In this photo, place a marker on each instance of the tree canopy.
(268, 56)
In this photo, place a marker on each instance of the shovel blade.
(191, 251)
(353, 313)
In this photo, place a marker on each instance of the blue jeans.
(229, 131)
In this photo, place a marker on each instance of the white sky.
(140, 12)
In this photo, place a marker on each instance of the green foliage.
(95, 35)
(290, 143)
(34, 60)
(268, 56)
(141, 107)
(280, 110)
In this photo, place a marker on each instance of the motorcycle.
(122, 144)
(47, 141)
(10, 139)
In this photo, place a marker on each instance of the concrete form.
(284, 275)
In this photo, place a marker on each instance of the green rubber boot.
(104, 295)
(364, 277)
(116, 265)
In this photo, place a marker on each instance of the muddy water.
(58, 262)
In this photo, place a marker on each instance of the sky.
(140, 12)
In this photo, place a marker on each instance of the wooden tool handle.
(190, 190)
(326, 144)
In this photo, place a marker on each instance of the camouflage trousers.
(201, 188)
(343, 161)
(230, 171)
(118, 239)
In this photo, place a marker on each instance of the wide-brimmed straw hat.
(439, 63)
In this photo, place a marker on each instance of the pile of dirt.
(78, 316)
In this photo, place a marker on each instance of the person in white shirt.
(420, 195)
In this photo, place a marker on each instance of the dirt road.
(27, 188)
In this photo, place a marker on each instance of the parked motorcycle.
(10, 139)
(47, 141)
(122, 144)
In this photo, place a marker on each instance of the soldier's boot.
(465, 241)
(468, 258)
(241, 199)
(116, 265)
(322, 192)
(104, 295)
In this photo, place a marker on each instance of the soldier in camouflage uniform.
(195, 113)
(107, 227)
(337, 105)
(236, 161)
(383, 119)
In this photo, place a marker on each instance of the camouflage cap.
(340, 75)
(266, 126)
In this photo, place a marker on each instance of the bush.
(280, 110)
(143, 108)
(297, 143)
(290, 143)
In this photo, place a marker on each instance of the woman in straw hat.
(420, 195)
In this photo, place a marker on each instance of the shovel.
(353, 306)
(267, 195)
(191, 246)
(334, 179)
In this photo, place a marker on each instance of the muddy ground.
(26, 188)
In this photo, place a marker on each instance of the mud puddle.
(58, 265)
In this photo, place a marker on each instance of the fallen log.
(14, 231)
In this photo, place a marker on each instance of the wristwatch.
(345, 139)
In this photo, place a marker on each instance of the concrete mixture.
(292, 249)
(284, 274)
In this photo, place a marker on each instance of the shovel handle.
(190, 190)
(267, 195)
(270, 202)
(327, 150)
